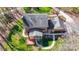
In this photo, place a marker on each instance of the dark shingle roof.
(36, 20)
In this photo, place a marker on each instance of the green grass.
(43, 9)
(37, 10)
(6, 47)
(16, 39)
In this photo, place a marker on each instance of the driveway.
(71, 43)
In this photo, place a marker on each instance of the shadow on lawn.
(48, 41)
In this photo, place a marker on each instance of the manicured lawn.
(16, 39)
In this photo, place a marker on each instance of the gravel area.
(71, 42)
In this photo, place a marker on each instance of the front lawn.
(16, 39)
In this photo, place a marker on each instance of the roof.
(58, 24)
(36, 20)
(35, 33)
(41, 21)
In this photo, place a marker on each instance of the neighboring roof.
(36, 20)
(58, 24)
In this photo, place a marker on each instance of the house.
(36, 23)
